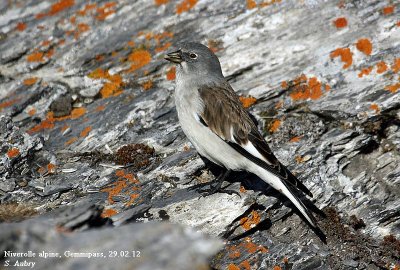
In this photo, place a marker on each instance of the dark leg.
(216, 185)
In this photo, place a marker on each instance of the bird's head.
(195, 59)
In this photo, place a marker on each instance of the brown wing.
(224, 114)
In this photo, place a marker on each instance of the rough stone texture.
(134, 246)
(78, 81)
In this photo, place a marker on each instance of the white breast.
(208, 144)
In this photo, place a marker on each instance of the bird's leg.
(218, 185)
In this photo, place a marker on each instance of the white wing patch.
(249, 147)
(196, 116)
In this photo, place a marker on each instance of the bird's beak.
(174, 57)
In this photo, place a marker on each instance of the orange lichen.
(114, 189)
(21, 26)
(71, 141)
(396, 65)
(85, 131)
(139, 59)
(110, 88)
(185, 6)
(315, 88)
(60, 6)
(161, 36)
(301, 79)
(35, 57)
(99, 57)
(340, 22)
(365, 71)
(45, 43)
(51, 168)
(88, 7)
(13, 152)
(32, 112)
(120, 173)
(100, 108)
(388, 10)
(295, 139)
(247, 101)
(381, 67)
(393, 88)
(83, 27)
(232, 266)
(106, 10)
(364, 45)
(56, 8)
(245, 265)
(242, 189)
(147, 85)
(398, 23)
(8, 103)
(235, 253)
(132, 199)
(327, 87)
(30, 81)
(163, 47)
(274, 126)
(47, 123)
(303, 90)
(268, 3)
(171, 74)
(77, 112)
(250, 222)
(160, 2)
(277, 267)
(122, 183)
(375, 107)
(49, 53)
(284, 84)
(50, 120)
(345, 54)
(72, 19)
(108, 213)
(252, 247)
(250, 4)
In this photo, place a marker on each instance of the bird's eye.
(193, 55)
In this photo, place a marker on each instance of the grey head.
(195, 60)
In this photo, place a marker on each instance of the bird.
(220, 128)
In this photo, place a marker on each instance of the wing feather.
(224, 114)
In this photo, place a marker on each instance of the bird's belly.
(210, 145)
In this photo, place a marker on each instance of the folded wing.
(226, 117)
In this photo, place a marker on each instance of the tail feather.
(282, 187)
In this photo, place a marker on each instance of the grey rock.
(139, 246)
(61, 106)
(7, 185)
(130, 214)
(342, 141)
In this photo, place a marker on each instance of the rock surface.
(79, 80)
